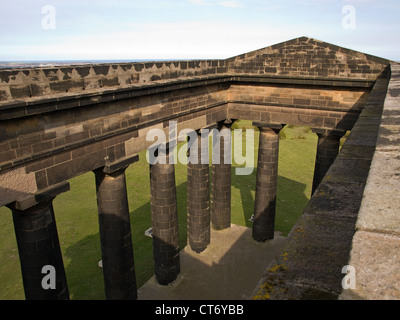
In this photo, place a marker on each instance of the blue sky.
(190, 29)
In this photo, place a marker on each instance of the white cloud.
(314, 2)
(176, 40)
(225, 4)
(359, 1)
(131, 34)
(230, 4)
(201, 2)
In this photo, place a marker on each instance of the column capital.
(48, 194)
(121, 164)
(329, 132)
(268, 125)
(225, 123)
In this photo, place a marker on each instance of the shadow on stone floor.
(229, 269)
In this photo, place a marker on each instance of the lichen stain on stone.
(299, 232)
(263, 292)
(278, 267)
(266, 289)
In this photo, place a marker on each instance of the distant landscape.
(60, 63)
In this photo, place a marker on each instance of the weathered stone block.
(376, 267)
(20, 91)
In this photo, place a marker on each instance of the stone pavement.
(229, 269)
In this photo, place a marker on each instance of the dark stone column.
(327, 151)
(198, 201)
(115, 232)
(164, 216)
(38, 245)
(267, 182)
(221, 187)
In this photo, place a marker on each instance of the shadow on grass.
(290, 204)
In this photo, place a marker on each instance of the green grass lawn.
(77, 221)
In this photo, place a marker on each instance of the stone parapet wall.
(375, 253)
(38, 82)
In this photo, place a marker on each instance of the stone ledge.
(376, 244)
(380, 209)
(376, 258)
(120, 164)
(28, 201)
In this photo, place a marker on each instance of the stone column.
(267, 181)
(115, 231)
(42, 267)
(221, 185)
(327, 151)
(164, 216)
(198, 201)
